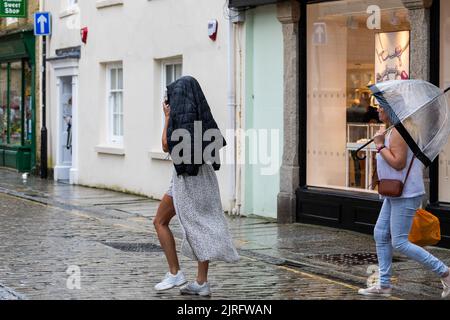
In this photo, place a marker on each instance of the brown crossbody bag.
(393, 188)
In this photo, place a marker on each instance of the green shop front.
(17, 101)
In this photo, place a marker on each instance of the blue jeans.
(391, 233)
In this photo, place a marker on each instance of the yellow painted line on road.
(241, 242)
(82, 215)
(132, 228)
(316, 277)
(395, 298)
(139, 219)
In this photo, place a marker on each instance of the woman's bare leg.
(166, 211)
(202, 273)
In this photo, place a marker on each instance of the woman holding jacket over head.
(194, 194)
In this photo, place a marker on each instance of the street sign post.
(13, 8)
(43, 27)
(42, 24)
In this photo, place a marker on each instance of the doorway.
(65, 125)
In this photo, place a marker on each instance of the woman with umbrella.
(416, 113)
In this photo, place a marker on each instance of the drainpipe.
(239, 151)
(231, 106)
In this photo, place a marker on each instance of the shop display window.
(444, 157)
(345, 56)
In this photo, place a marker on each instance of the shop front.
(17, 101)
(345, 46)
(440, 71)
(341, 48)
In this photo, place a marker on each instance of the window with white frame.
(68, 8)
(115, 102)
(171, 70)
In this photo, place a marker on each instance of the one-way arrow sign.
(42, 24)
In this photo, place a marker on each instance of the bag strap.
(374, 182)
(409, 169)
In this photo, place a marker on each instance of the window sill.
(157, 155)
(69, 12)
(100, 4)
(113, 150)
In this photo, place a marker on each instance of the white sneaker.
(375, 291)
(171, 281)
(446, 285)
(194, 288)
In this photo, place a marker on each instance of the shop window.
(15, 103)
(28, 122)
(348, 50)
(3, 103)
(115, 103)
(444, 157)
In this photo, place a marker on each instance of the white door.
(66, 124)
(62, 171)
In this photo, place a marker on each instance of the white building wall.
(137, 33)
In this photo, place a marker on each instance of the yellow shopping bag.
(425, 230)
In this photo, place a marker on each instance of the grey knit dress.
(199, 210)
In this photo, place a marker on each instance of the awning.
(16, 46)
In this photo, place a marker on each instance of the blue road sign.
(42, 24)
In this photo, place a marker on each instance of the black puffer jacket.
(187, 105)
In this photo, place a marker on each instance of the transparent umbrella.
(419, 111)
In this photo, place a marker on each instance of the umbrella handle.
(445, 91)
(364, 157)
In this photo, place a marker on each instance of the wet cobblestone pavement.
(48, 229)
(40, 243)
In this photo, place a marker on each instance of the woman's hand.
(379, 138)
(166, 109)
